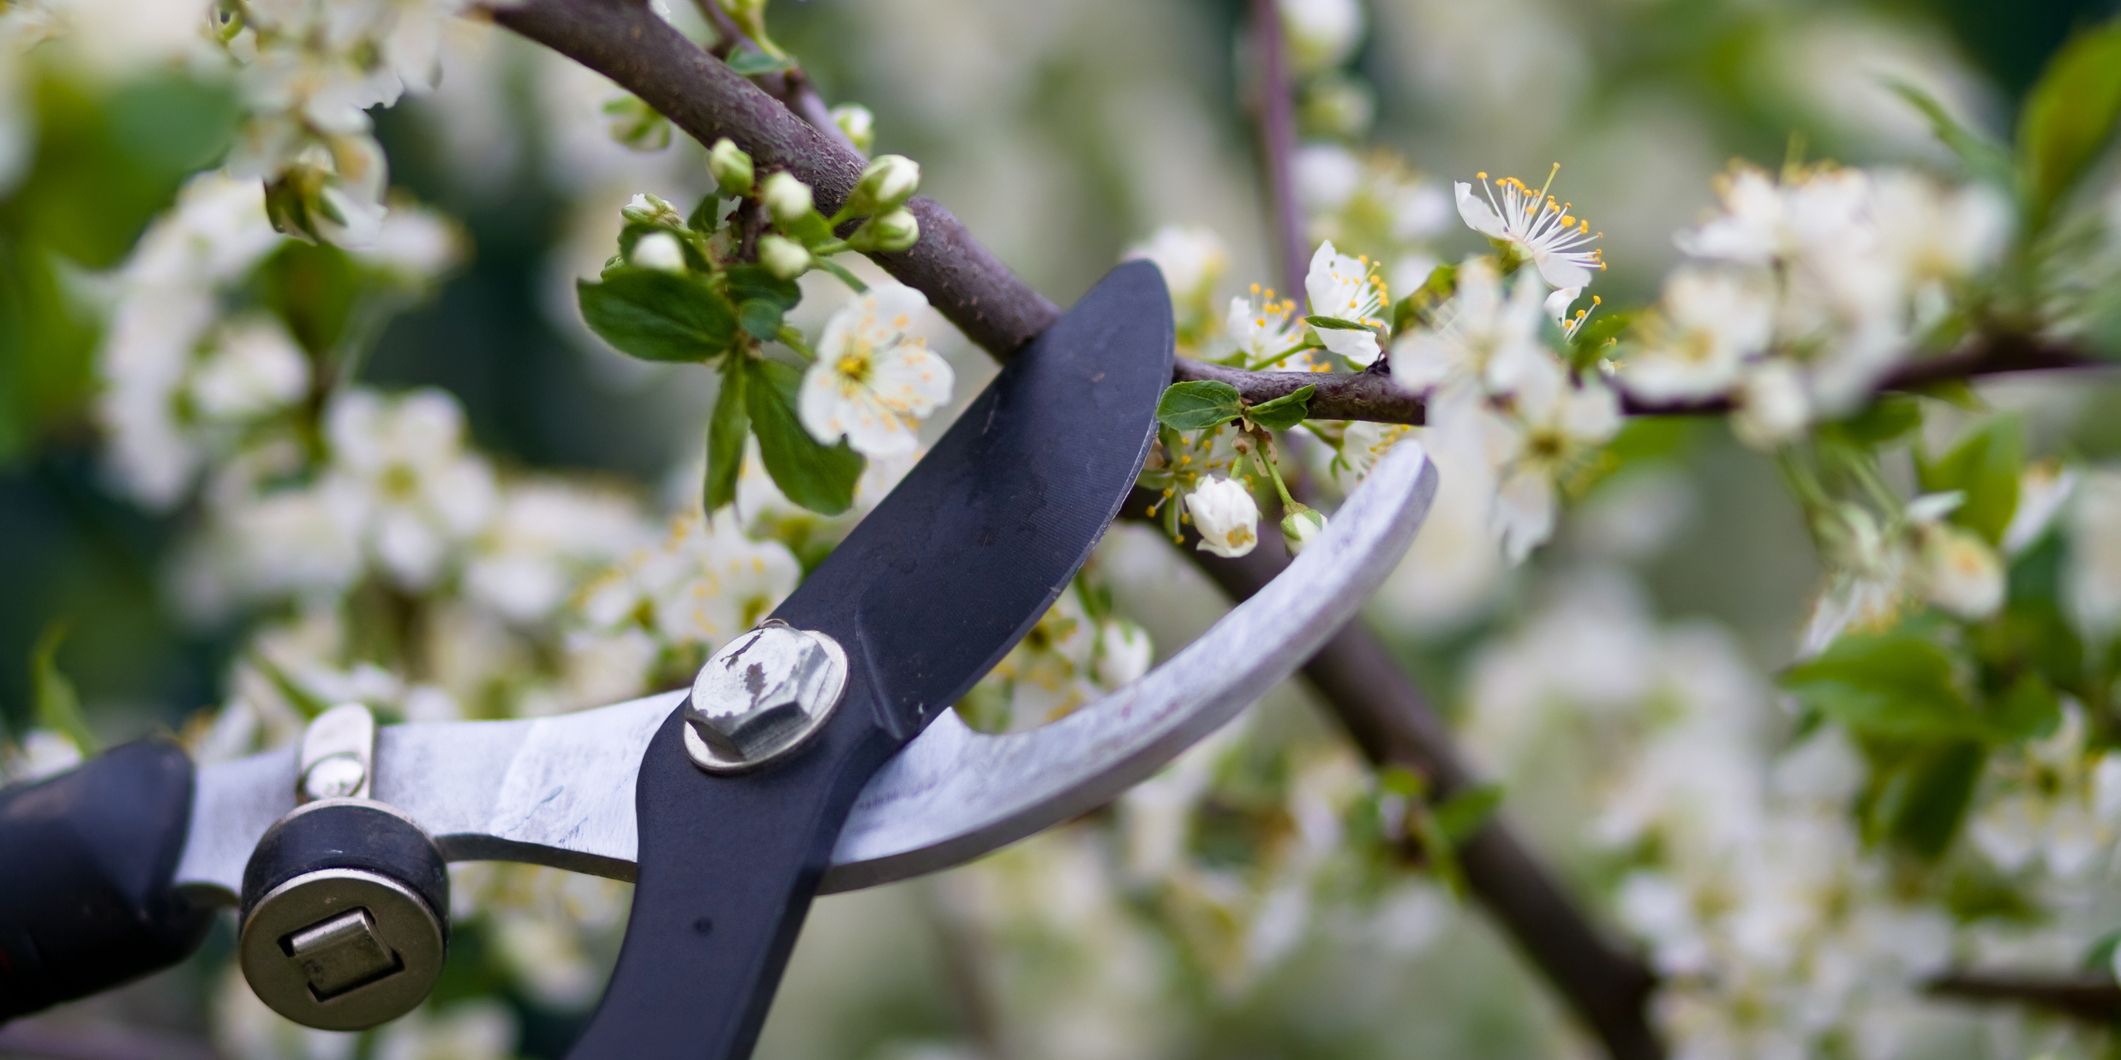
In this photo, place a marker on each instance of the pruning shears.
(814, 753)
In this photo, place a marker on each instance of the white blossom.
(1264, 329)
(254, 368)
(1707, 325)
(1534, 224)
(1123, 653)
(1552, 423)
(1960, 573)
(1486, 337)
(1347, 289)
(873, 379)
(425, 495)
(2054, 804)
(1762, 221)
(544, 538)
(1772, 406)
(1226, 516)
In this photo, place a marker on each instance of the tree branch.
(1373, 396)
(2090, 998)
(637, 49)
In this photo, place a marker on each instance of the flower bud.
(889, 233)
(646, 209)
(730, 166)
(885, 186)
(658, 250)
(1301, 526)
(1226, 516)
(788, 200)
(782, 256)
(1960, 573)
(857, 123)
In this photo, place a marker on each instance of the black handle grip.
(86, 861)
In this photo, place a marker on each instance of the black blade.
(926, 595)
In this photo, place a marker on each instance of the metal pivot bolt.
(762, 696)
(344, 906)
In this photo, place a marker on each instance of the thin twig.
(1277, 142)
(791, 86)
(2091, 998)
(1373, 396)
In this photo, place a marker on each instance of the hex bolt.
(762, 696)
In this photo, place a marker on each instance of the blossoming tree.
(1898, 823)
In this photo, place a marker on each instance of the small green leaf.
(1985, 466)
(1465, 812)
(762, 300)
(1284, 412)
(1882, 422)
(1982, 156)
(812, 474)
(725, 437)
(658, 316)
(1924, 800)
(707, 216)
(1335, 324)
(1198, 404)
(751, 63)
(2029, 709)
(2070, 118)
(1441, 283)
(1888, 684)
(58, 706)
(1598, 332)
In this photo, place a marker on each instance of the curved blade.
(559, 791)
(954, 794)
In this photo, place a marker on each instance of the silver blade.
(559, 790)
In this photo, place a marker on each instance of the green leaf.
(1894, 684)
(1599, 331)
(725, 438)
(1924, 800)
(1985, 466)
(707, 216)
(1284, 412)
(657, 315)
(756, 63)
(762, 300)
(2070, 118)
(1198, 404)
(1441, 283)
(1466, 812)
(2029, 709)
(58, 706)
(1882, 422)
(1335, 324)
(817, 476)
(1982, 156)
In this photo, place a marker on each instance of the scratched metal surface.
(559, 790)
